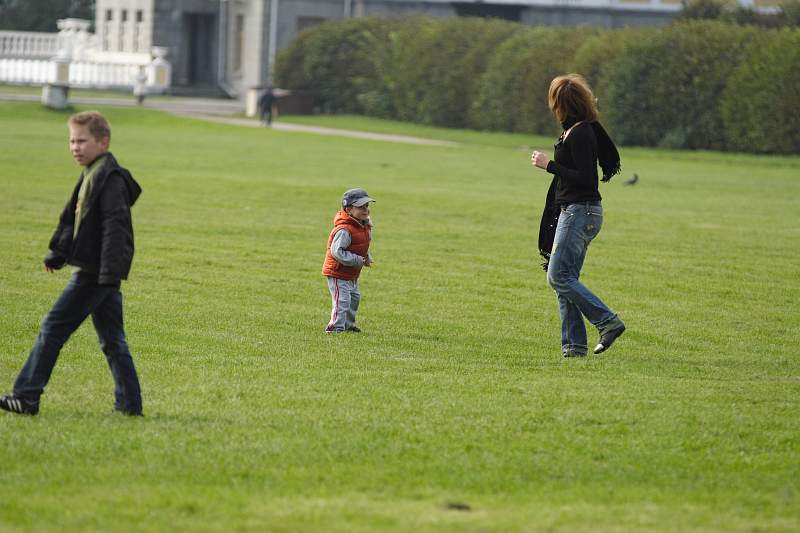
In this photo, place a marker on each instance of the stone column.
(73, 39)
(159, 71)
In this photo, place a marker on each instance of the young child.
(348, 252)
(95, 235)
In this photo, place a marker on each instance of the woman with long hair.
(573, 212)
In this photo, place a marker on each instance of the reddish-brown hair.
(571, 96)
(97, 123)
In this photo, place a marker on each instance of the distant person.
(140, 86)
(265, 105)
(573, 213)
(95, 235)
(348, 252)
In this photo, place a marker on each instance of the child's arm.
(368, 262)
(116, 245)
(341, 241)
(61, 240)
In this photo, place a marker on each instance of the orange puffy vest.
(359, 235)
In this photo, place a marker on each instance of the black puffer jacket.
(104, 244)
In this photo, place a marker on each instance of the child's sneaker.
(21, 406)
(353, 329)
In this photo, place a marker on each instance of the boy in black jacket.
(95, 235)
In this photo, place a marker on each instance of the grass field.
(36, 90)
(455, 395)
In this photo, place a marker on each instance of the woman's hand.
(539, 159)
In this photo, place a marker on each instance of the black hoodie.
(104, 243)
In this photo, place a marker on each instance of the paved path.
(223, 111)
(286, 126)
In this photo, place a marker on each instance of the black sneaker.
(572, 353)
(608, 338)
(353, 329)
(21, 406)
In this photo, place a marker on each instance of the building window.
(123, 21)
(107, 29)
(238, 43)
(138, 34)
(303, 23)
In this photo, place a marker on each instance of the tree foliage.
(41, 15)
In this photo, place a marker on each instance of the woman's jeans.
(578, 224)
(83, 297)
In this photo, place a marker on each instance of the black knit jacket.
(575, 165)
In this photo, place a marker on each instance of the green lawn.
(456, 392)
(376, 125)
(6, 88)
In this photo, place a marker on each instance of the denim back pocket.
(592, 222)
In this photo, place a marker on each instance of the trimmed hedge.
(340, 64)
(513, 95)
(596, 55)
(761, 102)
(694, 84)
(666, 90)
(438, 67)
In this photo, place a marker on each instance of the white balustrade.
(74, 57)
(82, 74)
(26, 70)
(28, 44)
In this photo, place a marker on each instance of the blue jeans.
(577, 225)
(83, 297)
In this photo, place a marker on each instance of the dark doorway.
(497, 11)
(200, 36)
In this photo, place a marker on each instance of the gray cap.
(356, 197)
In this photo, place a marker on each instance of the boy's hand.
(54, 261)
(368, 262)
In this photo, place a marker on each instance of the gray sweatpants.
(344, 298)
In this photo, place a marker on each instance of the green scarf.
(87, 180)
